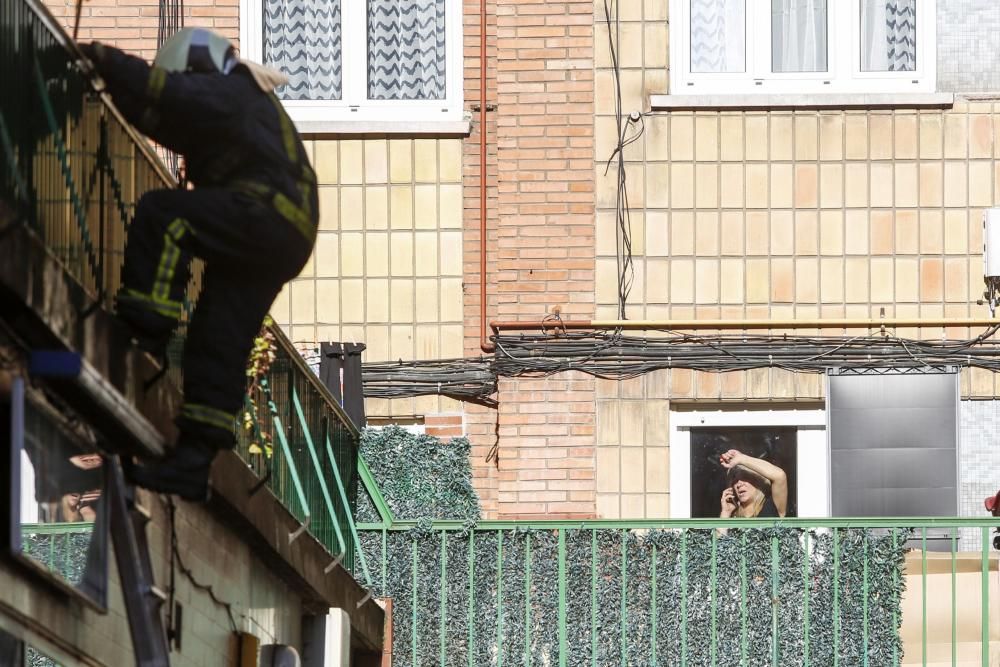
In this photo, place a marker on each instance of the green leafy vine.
(261, 357)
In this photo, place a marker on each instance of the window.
(803, 46)
(380, 60)
(794, 440)
(58, 508)
(775, 444)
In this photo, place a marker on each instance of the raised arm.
(148, 96)
(775, 475)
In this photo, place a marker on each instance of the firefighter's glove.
(93, 50)
(96, 53)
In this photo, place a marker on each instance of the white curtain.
(302, 38)
(888, 35)
(406, 50)
(799, 35)
(718, 35)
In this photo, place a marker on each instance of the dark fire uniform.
(252, 218)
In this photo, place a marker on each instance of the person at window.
(755, 488)
(251, 217)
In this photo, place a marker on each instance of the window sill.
(436, 128)
(802, 101)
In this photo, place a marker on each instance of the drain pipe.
(883, 323)
(484, 343)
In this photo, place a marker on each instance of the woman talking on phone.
(755, 487)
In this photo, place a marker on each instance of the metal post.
(684, 595)
(864, 598)
(623, 611)
(653, 612)
(472, 596)
(499, 598)
(774, 599)
(713, 598)
(743, 598)
(443, 596)
(836, 597)
(923, 594)
(527, 600)
(563, 640)
(985, 599)
(806, 564)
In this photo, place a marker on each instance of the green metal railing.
(823, 592)
(313, 466)
(73, 171)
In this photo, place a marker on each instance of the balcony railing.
(73, 170)
(822, 592)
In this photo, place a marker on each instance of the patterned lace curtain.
(302, 38)
(799, 36)
(718, 35)
(888, 35)
(406, 50)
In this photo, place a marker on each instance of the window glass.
(302, 38)
(62, 517)
(406, 50)
(10, 651)
(799, 36)
(774, 444)
(888, 35)
(718, 36)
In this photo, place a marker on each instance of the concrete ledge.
(815, 101)
(457, 128)
(265, 524)
(42, 303)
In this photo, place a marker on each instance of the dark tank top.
(768, 510)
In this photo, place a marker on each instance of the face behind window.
(775, 445)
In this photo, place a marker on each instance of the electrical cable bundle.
(611, 355)
(463, 379)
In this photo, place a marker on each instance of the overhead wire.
(176, 560)
(623, 221)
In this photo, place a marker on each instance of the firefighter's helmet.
(196, 50)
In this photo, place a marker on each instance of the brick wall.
(480, 422)
(545, 246)
(132, 25)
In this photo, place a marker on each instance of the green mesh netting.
(751, 597)
(62, 553)
(420, 477)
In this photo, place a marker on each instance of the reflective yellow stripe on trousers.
(171, 254)
(209, 415)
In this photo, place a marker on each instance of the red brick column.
(480, 422)
(545, 246)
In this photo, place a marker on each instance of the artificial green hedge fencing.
(63, 552)
(484, 596)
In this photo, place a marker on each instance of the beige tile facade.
(774, 214)
(387, 268)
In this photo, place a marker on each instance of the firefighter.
(251, 216)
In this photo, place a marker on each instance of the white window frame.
(845, 75)
(354, 105)
(812, 453)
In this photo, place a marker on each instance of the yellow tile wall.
(775, 214)
(838, 211)
(387, 268)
